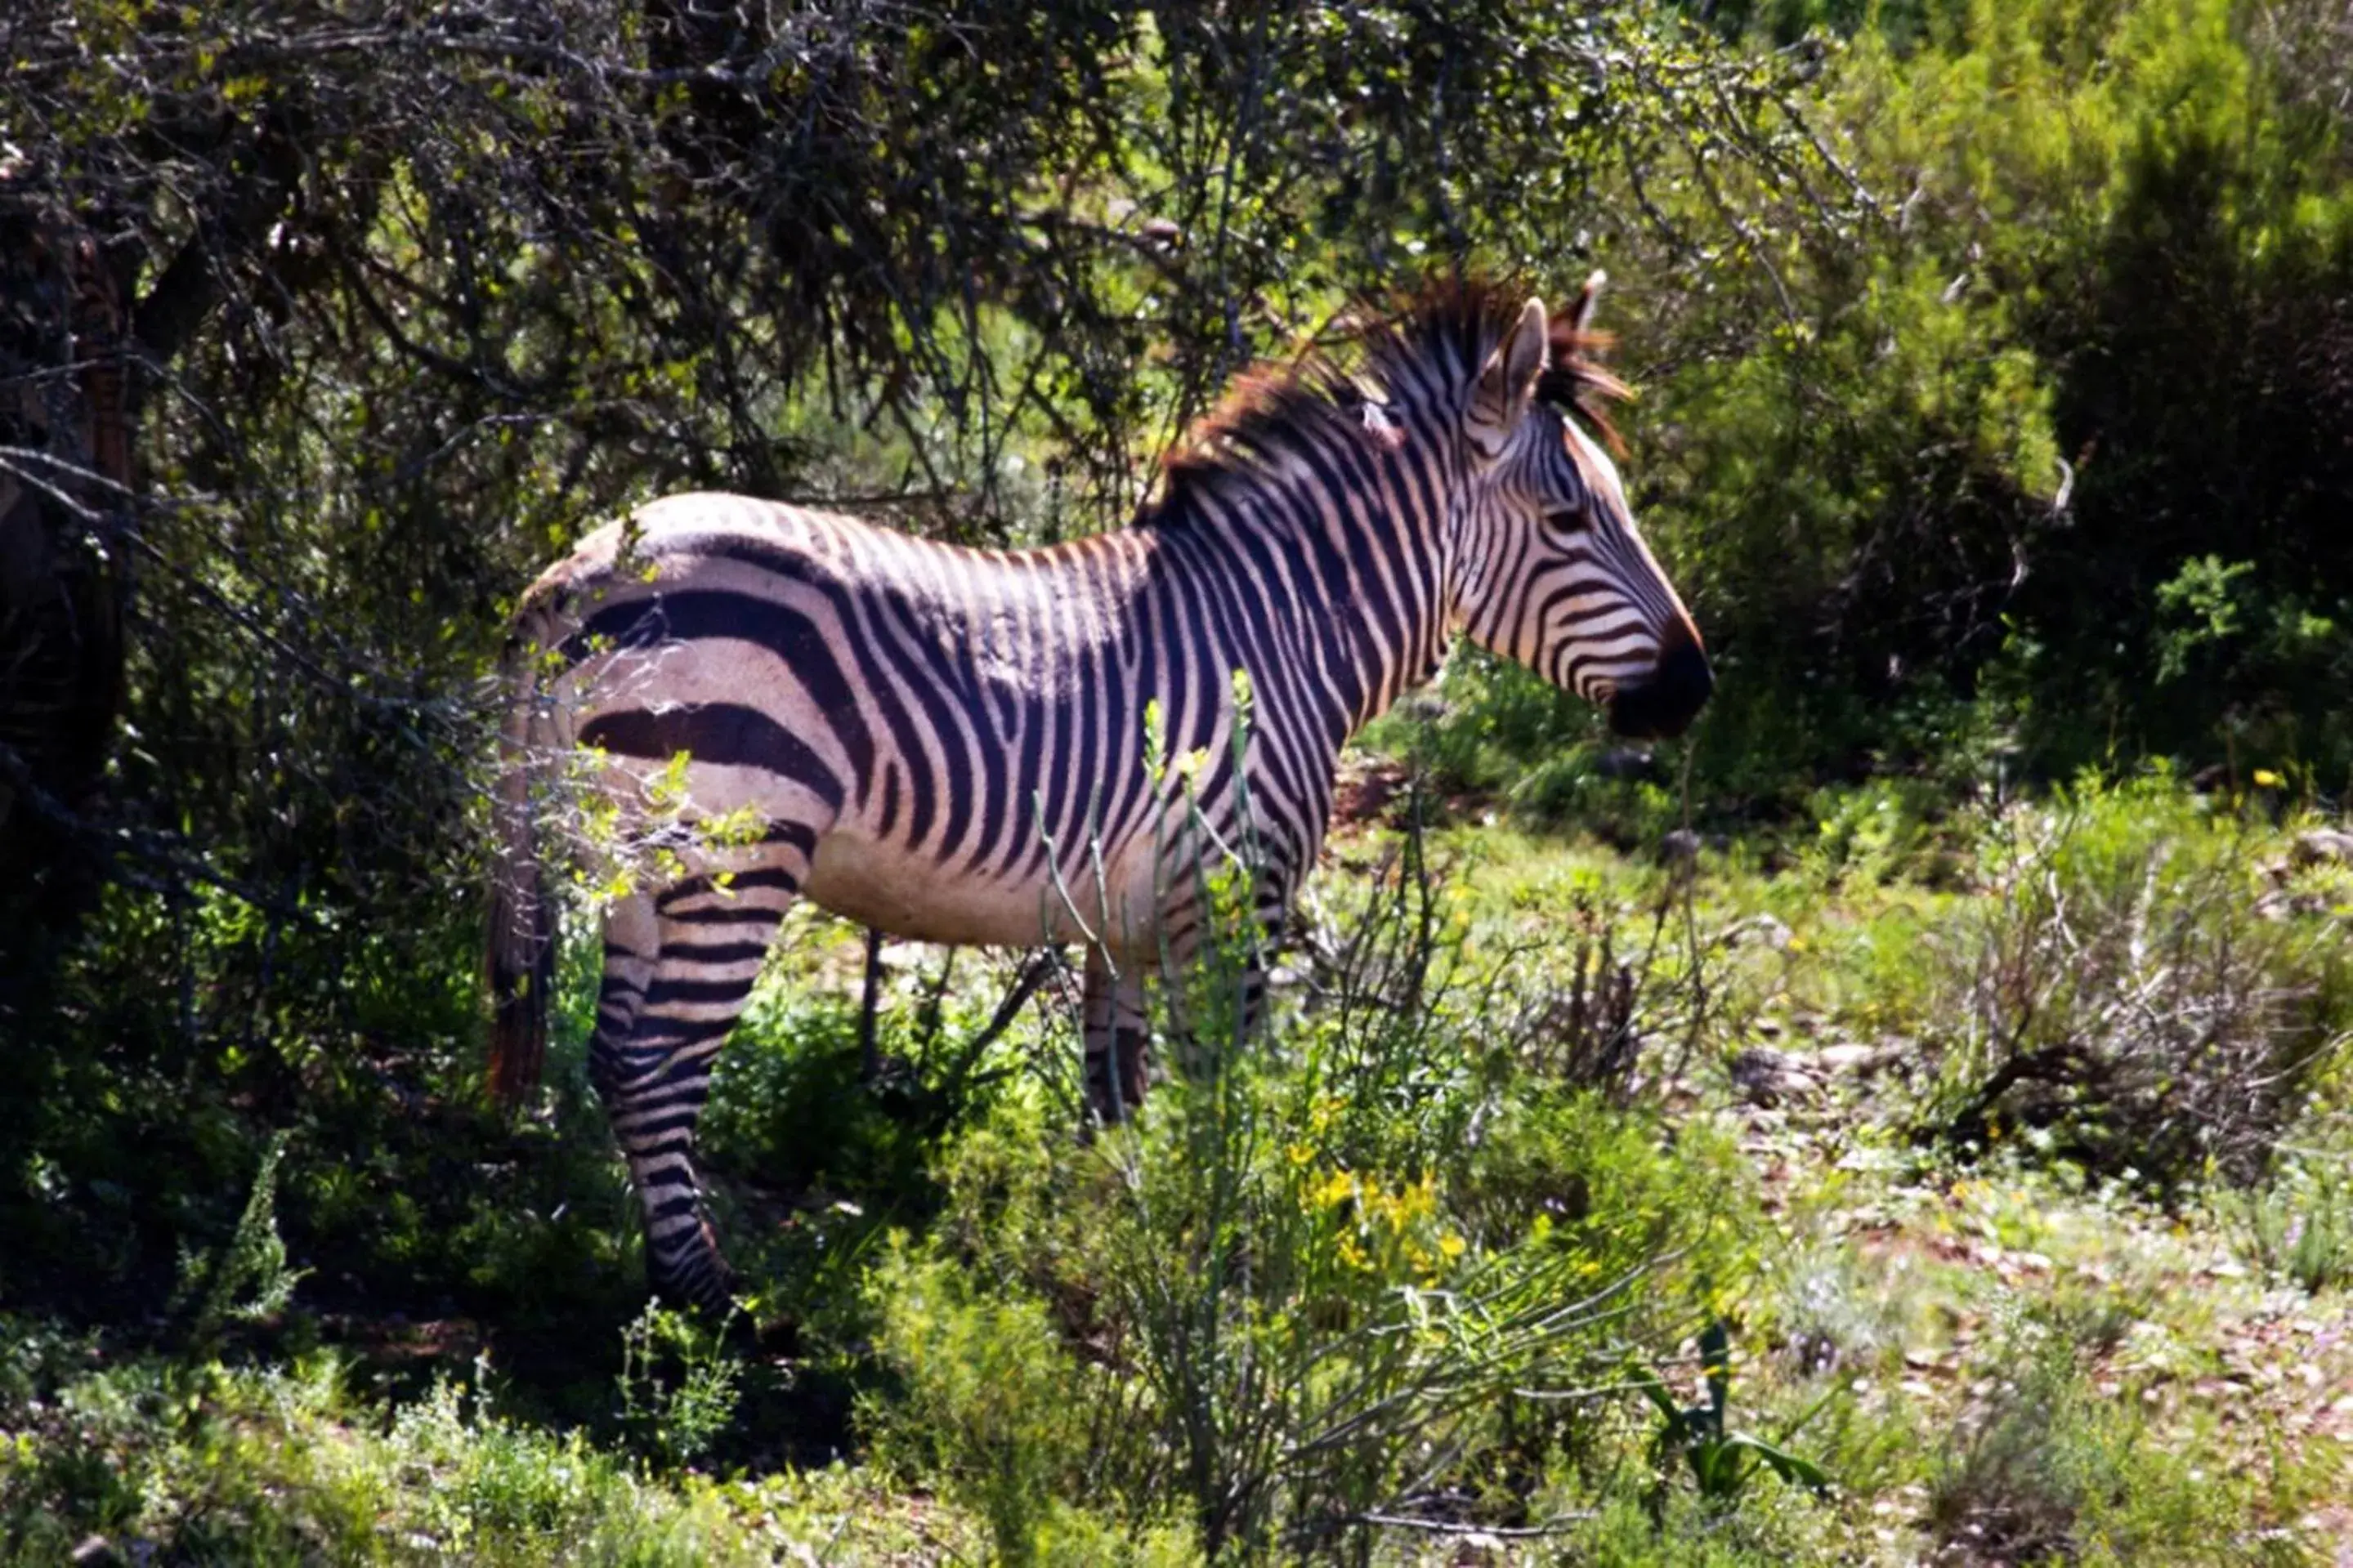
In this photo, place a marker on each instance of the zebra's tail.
(522, 927)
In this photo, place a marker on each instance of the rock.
(1858, 1060)
(2322, 846)
(1680, 846)
(2283, 904)
(1366, 787)
(1626, 762)
(1427, 706)
(1764, 930)
(1766, 1077)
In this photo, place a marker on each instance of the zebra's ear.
(1580, 318)
(1509, 377)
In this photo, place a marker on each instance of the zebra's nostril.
(1666, 704)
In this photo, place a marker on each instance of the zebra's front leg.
(690, 952)
(1118, 1038)
(1218, 999)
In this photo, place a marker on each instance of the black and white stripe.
(950, 744)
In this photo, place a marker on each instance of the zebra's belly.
(908, 894)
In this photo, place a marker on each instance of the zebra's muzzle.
(1666, 704)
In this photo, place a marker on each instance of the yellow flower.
(1415, 1203)
(1450, 1247)
(1335, 1190)
(2266, 779)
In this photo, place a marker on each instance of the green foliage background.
(1996, 417)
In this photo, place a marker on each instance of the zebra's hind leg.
(698, 945)
(1118, 1038)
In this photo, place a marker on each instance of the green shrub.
(992, 1401)
(2047, 1470)
(1878, 832)
(1723, 1461)
(1613, 1188)
(205, 1463)
(1356, 1273)
(2020, 452)
(247, 1278)
(2298, 1225)
(679, 1386)
(2119, 999)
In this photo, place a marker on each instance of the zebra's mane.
(1428, 345)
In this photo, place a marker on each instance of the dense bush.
(2122, 997)
(1283, 1302)
(2030, 457)
(209, 1463)
(2044, 1471)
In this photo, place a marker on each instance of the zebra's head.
(1550, 569)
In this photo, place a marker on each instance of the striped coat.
(958, 746)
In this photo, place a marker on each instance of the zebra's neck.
(1342, 542)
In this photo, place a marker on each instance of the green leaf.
(1715, 1360)
(1789, 1467)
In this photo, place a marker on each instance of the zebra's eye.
(1564, 522)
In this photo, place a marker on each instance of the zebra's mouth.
(1665, 705)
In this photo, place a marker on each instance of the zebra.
(949, 744)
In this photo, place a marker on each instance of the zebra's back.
(961, 734)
